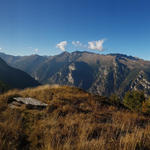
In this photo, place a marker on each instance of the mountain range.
(98, 74)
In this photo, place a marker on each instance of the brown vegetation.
(73, 120)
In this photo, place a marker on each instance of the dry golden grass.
(74, 120)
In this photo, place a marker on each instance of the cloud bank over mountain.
(91, 45)
(96, 45)
(62, 45)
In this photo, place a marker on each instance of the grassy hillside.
(73, 120)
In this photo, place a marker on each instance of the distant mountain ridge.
(99, 74)
(14, 78)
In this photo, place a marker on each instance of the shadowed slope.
(14, 78)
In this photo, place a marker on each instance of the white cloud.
(76, 43)
(0, 48)
(79, 45)
(96, 45)
(36, 50)
(62, 45)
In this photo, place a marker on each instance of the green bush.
(134, 100)
(146, 107)
(115, 100)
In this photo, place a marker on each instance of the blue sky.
(48, 27)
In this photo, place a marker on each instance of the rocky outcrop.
(141, 83)
(29, 103)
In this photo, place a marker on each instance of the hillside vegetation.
(73, 120)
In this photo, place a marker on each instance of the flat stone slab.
(29, 101)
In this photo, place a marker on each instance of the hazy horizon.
(70, 53)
